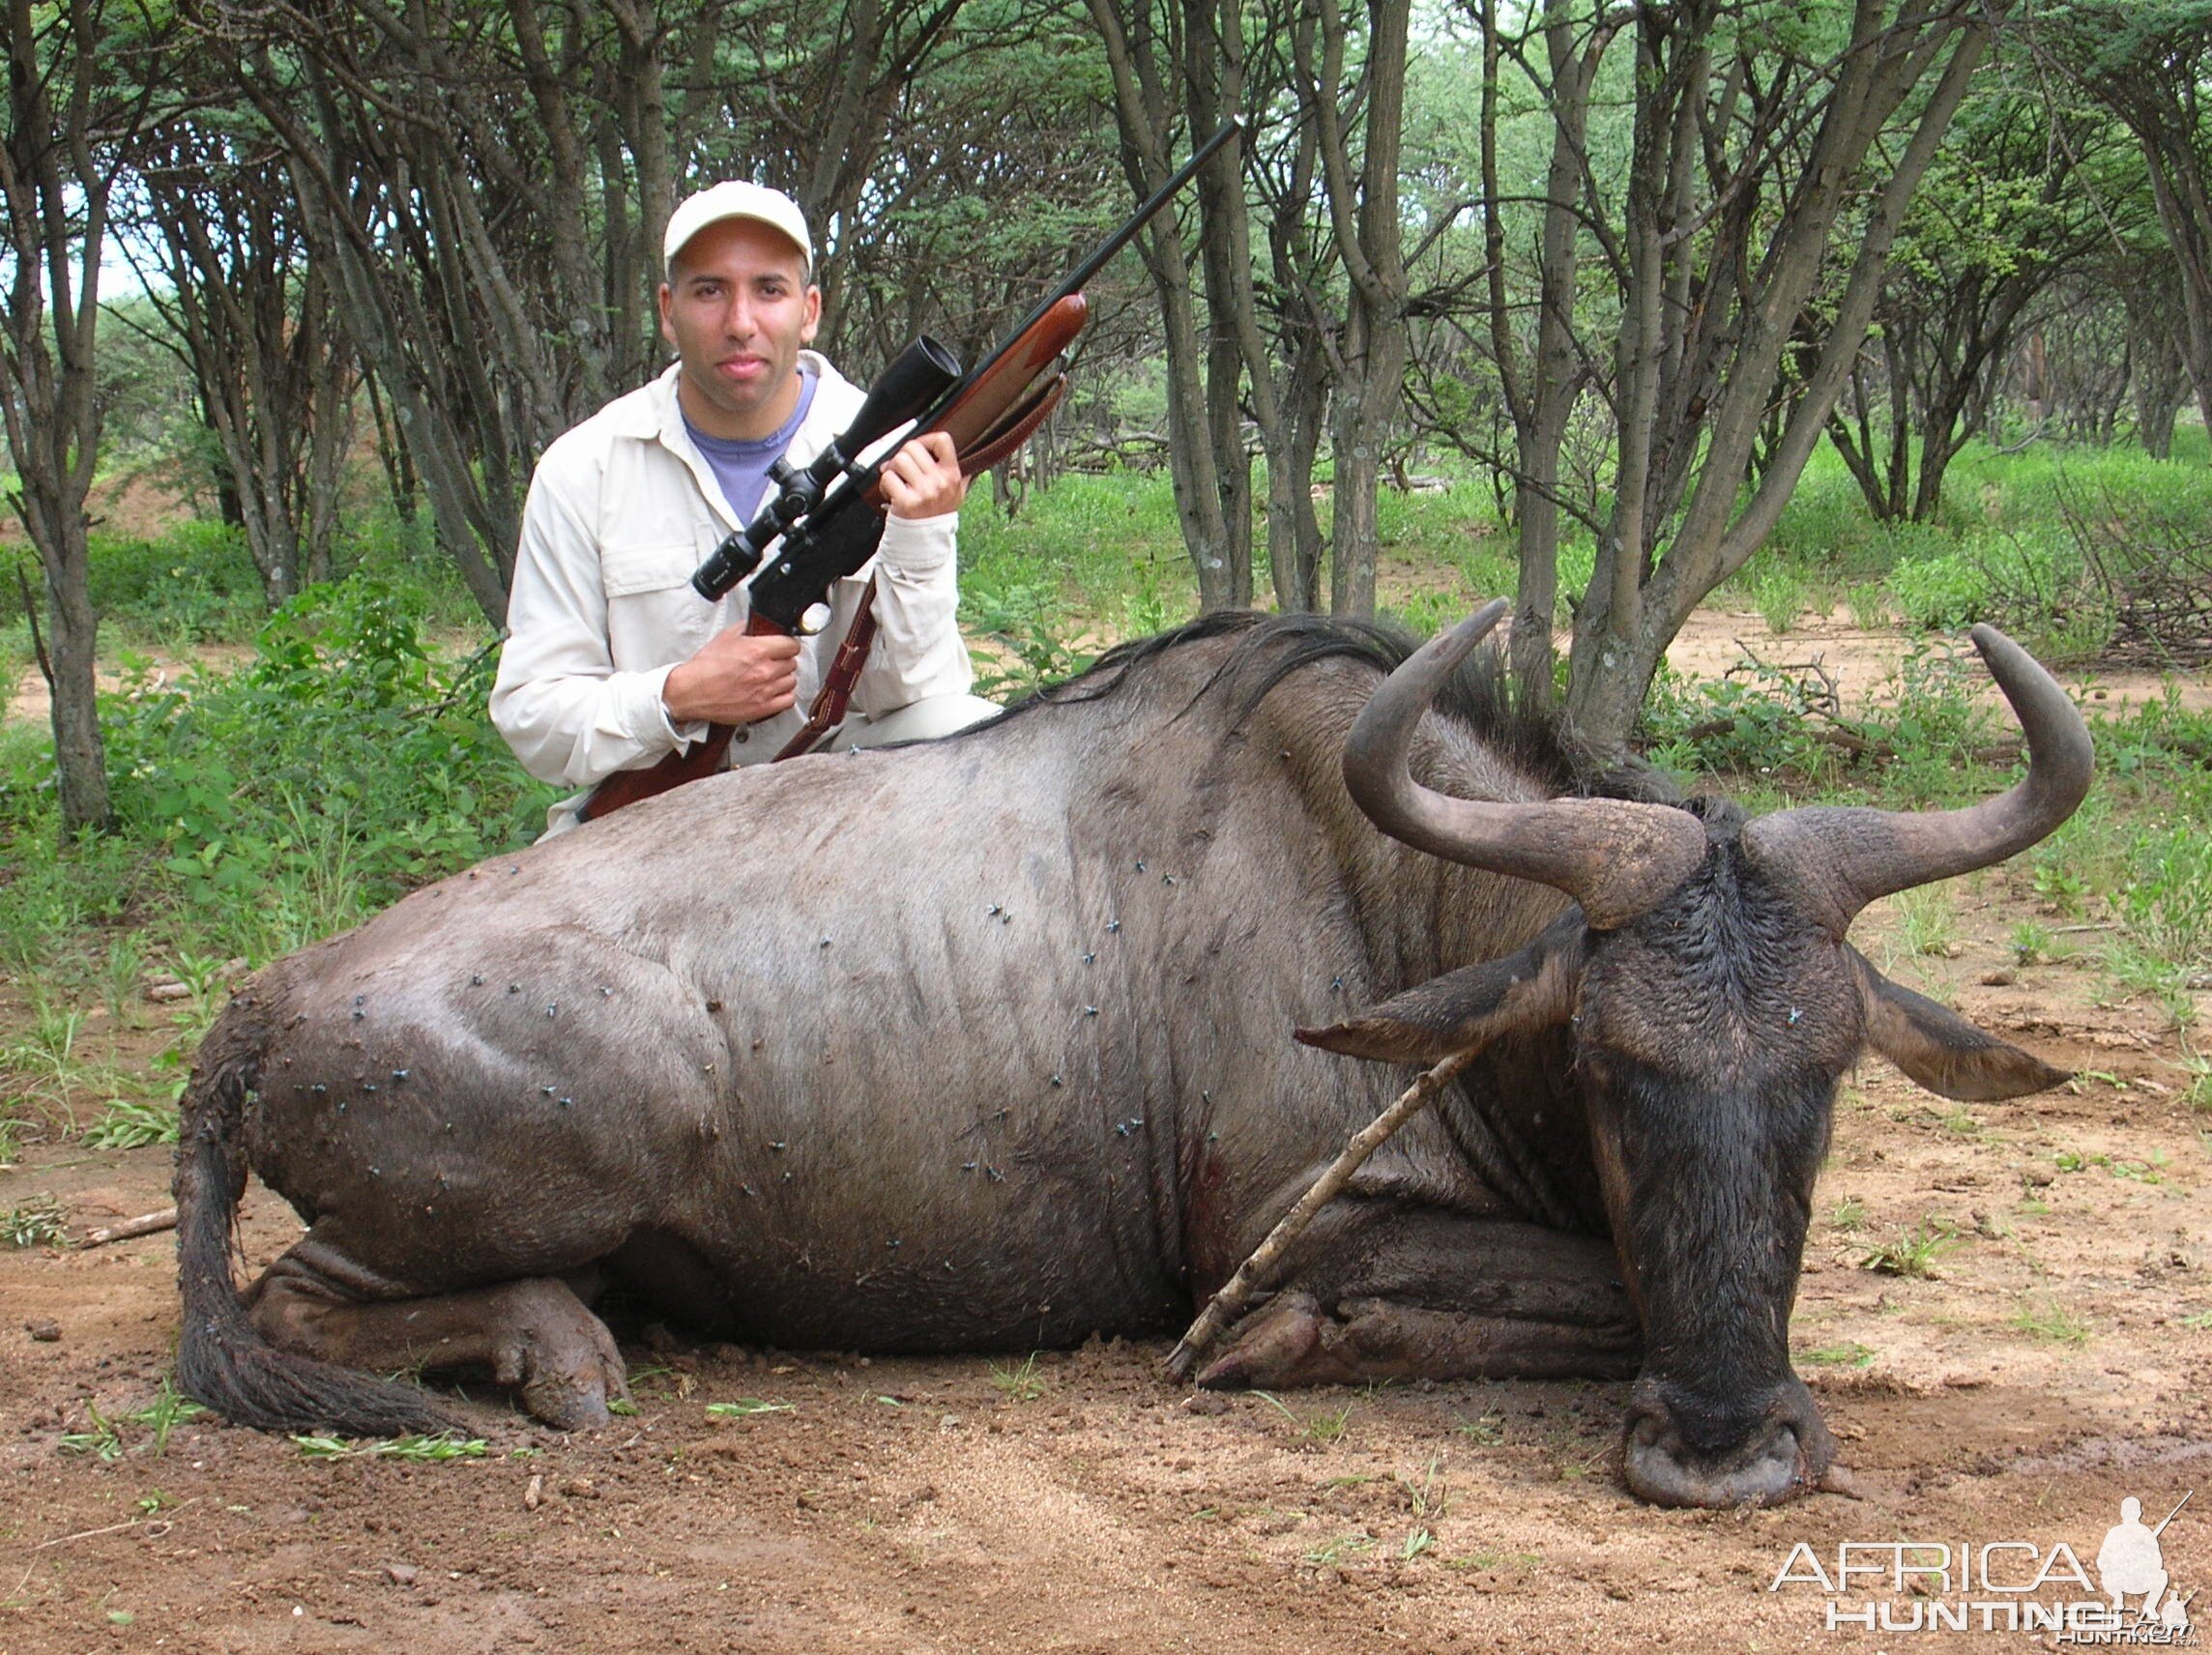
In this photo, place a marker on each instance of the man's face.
(737, 307)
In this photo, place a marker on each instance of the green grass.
(1019, 1383)
(2033, 943)
(1851, 1353)
(1927, 923)
(746, 1407)
(1428, 1498)
(2001, 547)
(2043, 1317)
(1080, 552)
(1911, 1252)
(1331, 1553)
(410, 1448)
(1488, 1430)
(1323, 1428)
(33, 1223)
(129, 1125)
(1779, 590)
(47, 1072)
(168, 1410)
(100, 1439)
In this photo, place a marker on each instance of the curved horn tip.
(1462, 638)
(1426, 669)
(1990, 641)
(2058, 735)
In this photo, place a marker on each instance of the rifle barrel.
(1083, 272)
(2171, 1514)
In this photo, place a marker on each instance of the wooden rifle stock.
(702, 758)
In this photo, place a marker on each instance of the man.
(612, 660)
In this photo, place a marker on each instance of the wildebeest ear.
(1532, 989)
(1943, 1051)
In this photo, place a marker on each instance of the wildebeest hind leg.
(1441, 1296)
(534, 1334)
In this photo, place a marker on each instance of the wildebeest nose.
(1776, 1452)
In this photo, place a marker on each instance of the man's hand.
(734, 678)
(923, 480)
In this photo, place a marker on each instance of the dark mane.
(1270, 648)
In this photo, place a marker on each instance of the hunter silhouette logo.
(2006, 1585)
(2131, 1561)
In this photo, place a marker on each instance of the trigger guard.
(812, 620)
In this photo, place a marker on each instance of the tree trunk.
(1213, 89)
(1541, 398)
(80, 756)
(2158, 379)
(1360, 190)
(1637, 600)
(56, 193)
(1147, 112)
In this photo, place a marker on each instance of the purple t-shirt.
(741, 465)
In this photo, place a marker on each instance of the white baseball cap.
(736, 200)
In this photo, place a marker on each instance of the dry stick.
(162, 1523)
(1255, 1273)
(145, 1224)
(31, 615)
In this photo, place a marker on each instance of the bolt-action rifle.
(824, 520)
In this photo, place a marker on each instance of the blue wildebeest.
(985, 1044)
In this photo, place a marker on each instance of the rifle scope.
(915, 379)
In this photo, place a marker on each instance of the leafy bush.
(2168, 904)
(2076, 553)
(195, 584)
(1941, 591)
(310, 787)
(1917, 740)
(2148, 557)
(2032, 582)
(393, 551)
(1751, 722)
(1026, 645)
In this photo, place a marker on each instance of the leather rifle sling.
(829, 702)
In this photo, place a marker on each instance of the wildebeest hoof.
(1273, 1346)
(560, 1357)
(1837, 1479)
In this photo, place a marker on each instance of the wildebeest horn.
(1614, 856)
(1840, 859)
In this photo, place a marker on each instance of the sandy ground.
(1863, 665)
(2056, 1360)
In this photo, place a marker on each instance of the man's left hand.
(923, 480)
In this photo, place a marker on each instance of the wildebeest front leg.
(534, 1335)
(1441, 1297)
